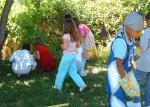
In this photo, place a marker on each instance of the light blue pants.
(81, 64)
(68, 65)
(143, 77)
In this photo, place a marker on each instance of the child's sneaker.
(82, 88)
(83, 74)
(57, 88)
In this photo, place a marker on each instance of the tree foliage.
(44, 18)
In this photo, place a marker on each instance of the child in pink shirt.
(88, 43)
(71, 49)
(83, 29)
(68, 61)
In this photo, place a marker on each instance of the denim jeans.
(143, 77)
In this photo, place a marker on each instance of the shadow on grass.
(36, 90)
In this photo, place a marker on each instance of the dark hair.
(70, 27)
(38, 41)
(26, 46)
(76, 20)
(68, 16)
(147, 16)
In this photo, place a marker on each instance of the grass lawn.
(36, 90)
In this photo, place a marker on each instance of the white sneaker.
(83, 74)
(131, 104)
(82, 88)
(57, 88)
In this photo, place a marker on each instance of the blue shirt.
(122, 48)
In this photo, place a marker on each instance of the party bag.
(130, 85)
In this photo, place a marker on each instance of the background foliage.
(44, 18)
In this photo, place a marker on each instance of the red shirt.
(46, 60)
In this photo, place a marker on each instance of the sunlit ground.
(36, 90)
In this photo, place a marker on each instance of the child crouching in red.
(44, 57)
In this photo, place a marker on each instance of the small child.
(68, 61)
(88, 43)
(22, 61)
(142, 72)
(121, 55)
(80, 57)
(44, 57)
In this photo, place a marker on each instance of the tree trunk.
(3, 23)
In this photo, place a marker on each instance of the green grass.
(37, 90)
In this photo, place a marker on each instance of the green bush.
(44, 18)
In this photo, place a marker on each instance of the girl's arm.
(37, 54)
(65, 44)
(120, 67)
(78, 44)
(80, 41)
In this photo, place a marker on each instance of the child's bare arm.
(37, 55)
(78, 44)
(120, 67)
(65, 44)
